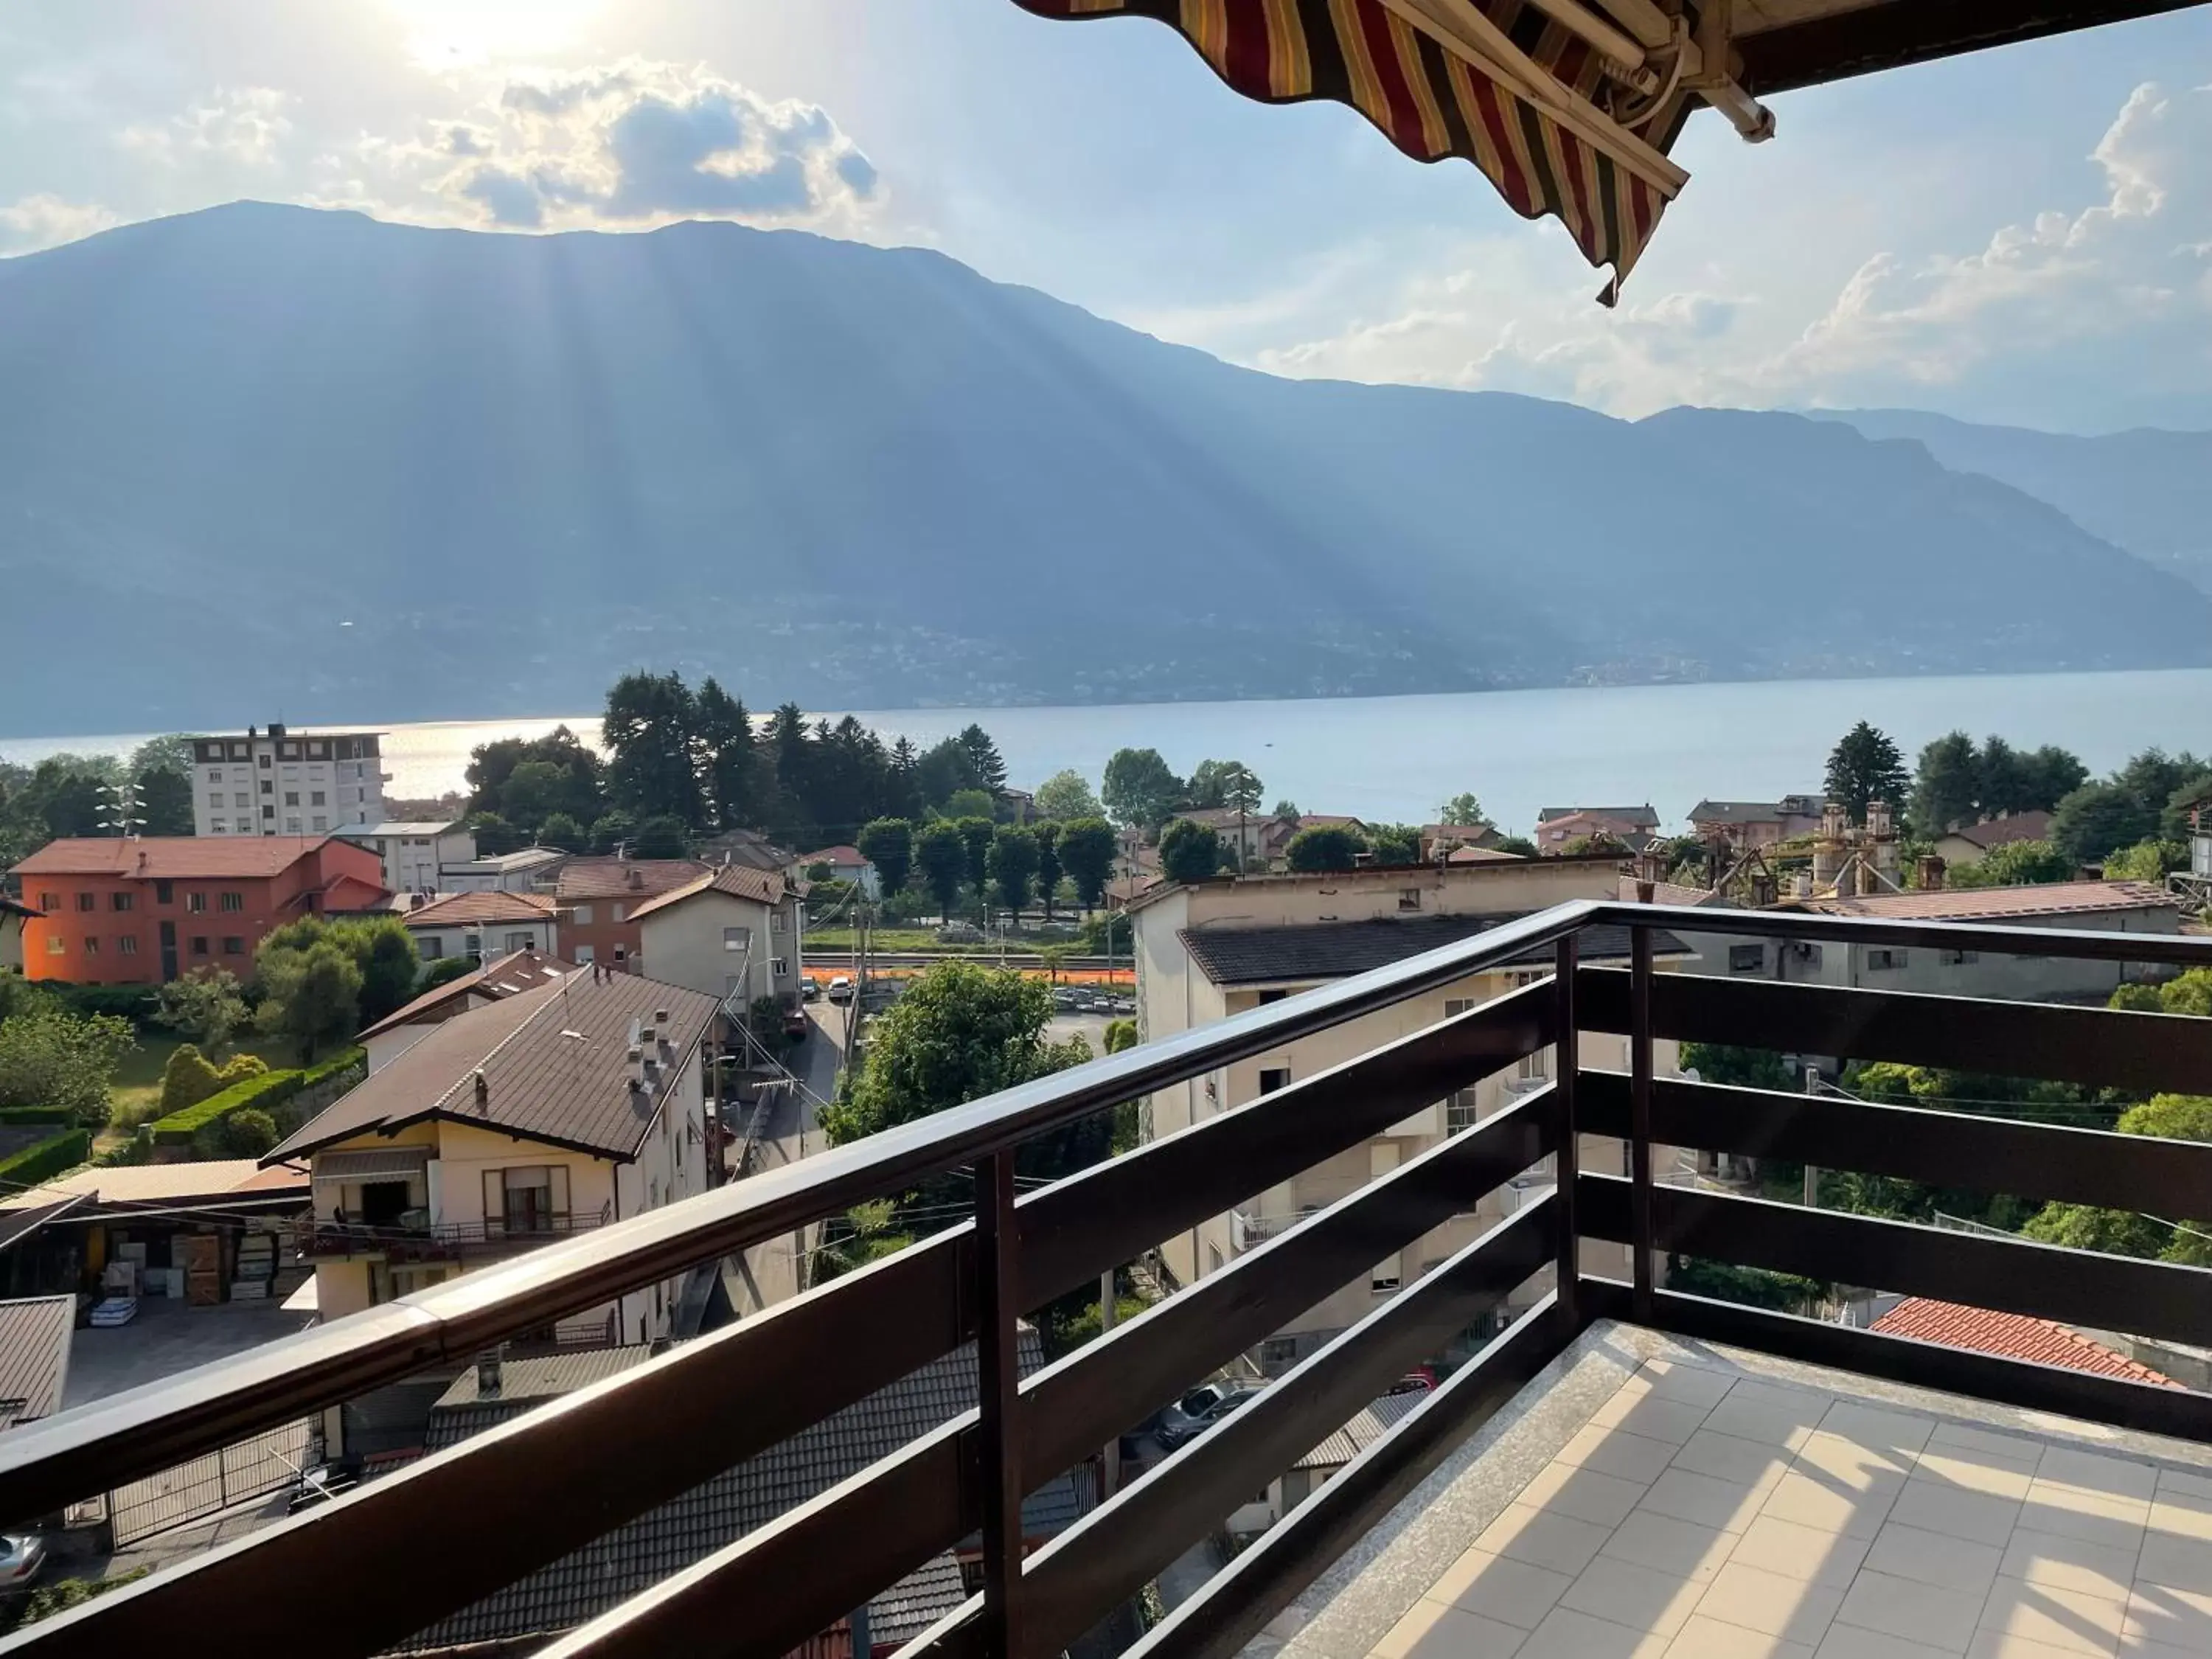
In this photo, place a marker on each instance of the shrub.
(268, 1090)
(137, 1003)
(48, 1157)
(188, 1079)
(25, 1115)
(248, 1133)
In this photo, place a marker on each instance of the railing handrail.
(2166, 950)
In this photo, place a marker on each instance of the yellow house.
(575, 1103)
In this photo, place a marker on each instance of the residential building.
(750, 847)
(1258, 838)
(1440, 840)
(1642, 819)
(281, 782)
(15, 916)
(526, 870)
(596, 896)
(1299, 1482)
(478, 925)
(1746, 823)
(1975, 842)
(34, 1356)
(563, 1106)
(846, 864)
(498, 979)
(1209, 949)
(1556, 834)
(139, 910)
(414, 854)
(733, 932)
(1329, 820)
(66, 1236)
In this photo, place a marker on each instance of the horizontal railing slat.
(2101, 1047)
(1986, 1154)
(2044, 1281)
(1993, 939)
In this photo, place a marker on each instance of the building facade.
(736, 931)
(526, 870)
(414, 855)
(281, 782)
(846, 864)
(143, 910)
(482, 925)
(598, 898)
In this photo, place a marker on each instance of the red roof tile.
(1979, 904)
(2013, 1336)
(182, 857)
(468, 909)
(614, 879)
(737, 880)
(1996, 832)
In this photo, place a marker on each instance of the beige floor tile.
(1618, 1453)
(2180, 1619)
(1931, 1614)
(2073, 1512)
(1567, 1634)
(2061, 1618)
(1860, 1467)
(1987, 1442)
(1934, 1506)
(2183, 1563)
(2119, 1477)
(1988, 1645)
(1433, 1630)
(1609, 1588)
(1701, 1498)
(1584, 1493)
(1709, 1639)
(2181, 1514)
(1933, 1558)
(1670, 1545)
(1746, 1463)
(1874, 1427)
(1829, 1503)
(1997, 1476)
(2186, 1482)
(1542, 1538)
(1760, 1411)
(1497, 1587)
(2143, 1650)
(2074, 1564)
(1698, 1385)
(1856, 1642)
(1773, 1544)
(1647, 1414)
(1767, 1601)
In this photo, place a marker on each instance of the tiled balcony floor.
(1655, 1500)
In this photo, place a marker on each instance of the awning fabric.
(1560, 155)
(372, 1164)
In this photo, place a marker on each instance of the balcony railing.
(321, 1237)
(418, 1546)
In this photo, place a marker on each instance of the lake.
(1395, 758)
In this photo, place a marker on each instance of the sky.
(2021, 236)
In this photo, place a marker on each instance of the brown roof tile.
(2056, 898)
(182, 857)
(499, 977)
(613, 879)
(469, 910)
(1997, 832)
(737, 880)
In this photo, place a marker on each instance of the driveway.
(169, 1337)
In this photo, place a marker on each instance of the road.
(768, 1273)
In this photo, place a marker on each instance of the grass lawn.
(884, 939)
(135, 1093)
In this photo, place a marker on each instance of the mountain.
(263, 460)
(2147, 491)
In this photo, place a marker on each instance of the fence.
(211, 1483)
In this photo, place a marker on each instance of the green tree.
(2014, 864)
(665, 836)
(1121, 1034)
(2173, 819)
(2125, 1232)
(1864, 767)
(1189, 851)
(651, 728)
(1012, 863)
(1285, 807)
(248, 1133)
(1225, 783)
(942, 770)
(1086, 853)
(2099, 818)
(491, 764)
(1947, 789)
(866, 1233)
(444, 970)
(1047, 832)
(49, 1057)
(2046, 777)
(1519, 845)
(971, 803)
(975, 835)
(165, 801)
(562, 831)
(610, 830)
(1065, 796)
(1462, 809)
(2147, 860)
(1394, 843)
(888, 843)
(311, 996)
(983, 755)
(495, 835)
(187, 1078)
(1324, 848)
(1745, 1068)
(203, 1005)
(725, 753)
(1139, 790)
(383, 963)
(941, 854)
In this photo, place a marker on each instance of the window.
(581, 915)
(268, 814)
(522, 941)
(1877, 960)
(1747, 958)
(1460, 1111)
(196, 902)
(776, 922)
(614, 912)
(620, 954)
(91, 945)
(1266, 997)
(737, 939)
(122, 901)
(88, 901)
(778, 967)
(231, 902)
(1958, 958)
(268, 787)
(292, 826)
(54, 945)
(1272, 1078)
(238, 751)
(315, 798)
(1409, 898)
(581, 954)
(164, 892)
(1383, 1281)
(233, 945)
(126, 944)
(431, 947)
(291, 798)
(472, 944)
(50, 903)
(1455, 1007)
(217, 827)
(264, 759)
(321, 822)
(242, 799)
(214, 774)
(1278, 1354)
(215, 797)
(531, 1200)
(199, 945)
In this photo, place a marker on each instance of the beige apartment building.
(733, 932)
(1209, 949)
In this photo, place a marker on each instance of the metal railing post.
(1567, 1062)
(997, 1385)
(1639, 1117)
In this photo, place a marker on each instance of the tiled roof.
(2015, 1336)
(1736, 811)
(436, 827)
(1334, 949)
(180, 858)
(2057, 898)
(499, 977)
(1458, 831)
(1996, 832)
(916, 1601)
(834, 855)
(728, 1505)
(737, 880)
(614, 879)
(146, 1183)
(473, 909)
(1481, 855)
(1329, 820)
(1669, 892)
(10, 907)
(462, 1411)
(1643, 817)
(555, 1064)
(1373, 1421)
(34, 1354)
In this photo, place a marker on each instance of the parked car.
(21, 1555)
(1201, 1409)
(840, 989)
(796, 1023)
(809, 991)
(1420, 1380)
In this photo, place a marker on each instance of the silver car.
(1201, 1409)
(21, 1555)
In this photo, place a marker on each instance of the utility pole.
(1109, 1462)
(1812, 1174)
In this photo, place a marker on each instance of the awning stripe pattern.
(1432, 101)
(372, 1164)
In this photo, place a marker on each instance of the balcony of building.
(412, 1237)
(1624, 1468)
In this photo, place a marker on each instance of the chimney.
(484, 1090)
(660, 1017)
(1878, 819)
(1833, 821)
(1644, 892)
(487, 1374)
(1804, 885)
(652, 1067)
(636, 877)
(1931, 871)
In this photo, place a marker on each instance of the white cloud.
(43, 221)
(242, 125)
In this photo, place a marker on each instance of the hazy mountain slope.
(287, 461)
(2149, 491)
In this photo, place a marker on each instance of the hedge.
(136, 1003)
(48, 1157)
(268, 1090)
(34, 1115)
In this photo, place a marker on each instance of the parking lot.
(169, 1337)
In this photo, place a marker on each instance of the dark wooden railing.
(386, 1561)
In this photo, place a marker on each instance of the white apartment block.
(281, 782)
(414, 855)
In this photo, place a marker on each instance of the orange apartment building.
(597, 898)
(142, 910)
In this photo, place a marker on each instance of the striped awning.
(1495, 82)
(372, 1164)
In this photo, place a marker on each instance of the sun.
(464, 33)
